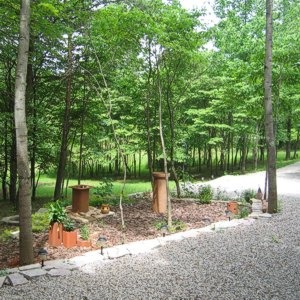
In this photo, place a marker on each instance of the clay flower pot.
(69, 239)
(105, 209)
(233, 207)
(55, 234)
(83, 243)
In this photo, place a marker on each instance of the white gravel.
(261, 261)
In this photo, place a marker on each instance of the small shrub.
(177, 225)
(84, 232)
(159, 224)
(68, 224)
(205, 194)
(248, 194)
(244, 212)
(104, 188)
(5, 236)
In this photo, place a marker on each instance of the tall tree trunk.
(288, 142)
(5, 165)
(172, 130)
(26, 240)
(13, 169)
(269, 124)
(30, 98)
(297, 143)
(65, 131)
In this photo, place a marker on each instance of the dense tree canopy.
(96, 70)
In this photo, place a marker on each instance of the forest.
(104, 75)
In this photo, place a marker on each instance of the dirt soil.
(140, 221)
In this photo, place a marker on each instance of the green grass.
(46, 187)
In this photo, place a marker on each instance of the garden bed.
(141, 223)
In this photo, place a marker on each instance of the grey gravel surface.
(261, 261)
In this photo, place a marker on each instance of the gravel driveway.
(261, 261)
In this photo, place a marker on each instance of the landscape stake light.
(42, 255)
(164, 230)
(228, 214)
(102, 241)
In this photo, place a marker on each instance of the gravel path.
(261, 261)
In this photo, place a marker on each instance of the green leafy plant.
(104, 188)
(177, 225)
(40, 222)
(248, 194)
(205, 194)
(57, 212)
(6, 235)
(244, 212)
(84, 232)
(68, 224)
(159, 224)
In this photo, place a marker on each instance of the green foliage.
(244, 212)
(177, 225)
(84, 232)
(104, 188)
(40, 222)
(205, 194)
(57, 213)
(6, 236)
(68, 224)
(159, 224)
(248, 194)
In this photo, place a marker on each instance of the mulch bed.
(140, 222)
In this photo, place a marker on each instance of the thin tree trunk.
(269, 124)
(13, 168)
(297, 144)
(81, 140)
(5, 167)
(30, 97)
(65, 131)
(26, 239)
(169, 212)
(288, 142)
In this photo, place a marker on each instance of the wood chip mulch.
(140, 221)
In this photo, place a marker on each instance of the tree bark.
(289, 137)
(269, 124)
(65, 131)
(26, 240)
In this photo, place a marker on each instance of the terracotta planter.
(83, 243)
(80, 198)
(55, 234)
(105, 209)
(233, 207)
(69, 239)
